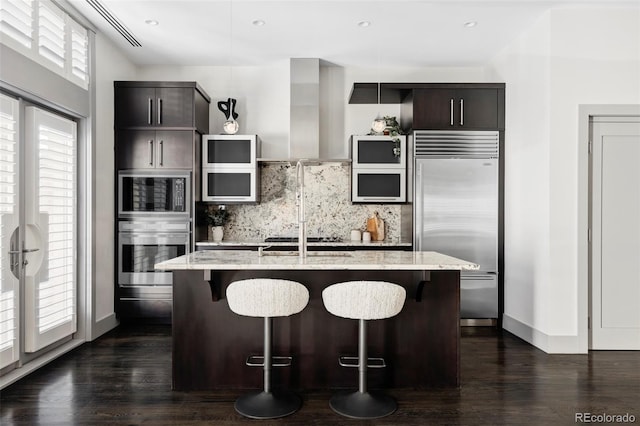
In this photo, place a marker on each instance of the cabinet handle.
(149, 108)
(159, 110)
(462, 112)
(161, 153)
(451, 112)
(151, 152)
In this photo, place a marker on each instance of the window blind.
(51, 221)
(8, 222)
(56, 301)
(79, 51)
(51, 33)
(46, 34)
(16, 21)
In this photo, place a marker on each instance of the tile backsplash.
(329, 211)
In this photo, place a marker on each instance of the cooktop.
(309, 240)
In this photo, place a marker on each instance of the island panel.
(211, 343)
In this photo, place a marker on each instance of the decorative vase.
(230, 127)
(217, 232)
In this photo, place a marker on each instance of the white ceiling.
(403, 33)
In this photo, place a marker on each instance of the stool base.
(268, 405)
(363, 405)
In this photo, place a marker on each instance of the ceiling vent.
(114, 22)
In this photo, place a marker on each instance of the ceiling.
(403, 33)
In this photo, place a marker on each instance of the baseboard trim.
(545, 342)
(17, 374)
(102, 326)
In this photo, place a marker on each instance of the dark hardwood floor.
(124, 378)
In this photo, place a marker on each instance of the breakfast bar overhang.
(421, 345)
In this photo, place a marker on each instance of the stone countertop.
(259, 243)
(325, 260)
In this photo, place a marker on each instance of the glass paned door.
(9, 221)
(49, 242)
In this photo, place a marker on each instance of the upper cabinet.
(438, 106)
(461, 108)
(155, 149)
(157, 104)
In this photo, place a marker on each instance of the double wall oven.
(154, 223)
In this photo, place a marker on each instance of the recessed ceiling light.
(258, 22)
(470, 24)
(152, 22)
(364, 24)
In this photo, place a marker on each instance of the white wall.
(262, 95)
(263, 98)
(571, 56)
(110, 65)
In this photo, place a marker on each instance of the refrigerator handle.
(417, 206)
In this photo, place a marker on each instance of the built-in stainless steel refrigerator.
(456, 209)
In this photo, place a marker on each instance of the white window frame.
(80, 77)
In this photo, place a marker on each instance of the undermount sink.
(309, 253)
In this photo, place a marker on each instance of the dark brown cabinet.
(161, 104)
(158, 124)
(158, 128)
(439, 106)
(157, 107)
(155, 149)
(459, 108)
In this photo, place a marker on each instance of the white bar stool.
(363, 300)
(267, 298)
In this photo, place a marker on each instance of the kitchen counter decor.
(375, 226)
(228, 108)
(391, 128)
(217, 218)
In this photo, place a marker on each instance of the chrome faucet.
(302, 220)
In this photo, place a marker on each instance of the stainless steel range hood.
(304, 128)
(304, 104)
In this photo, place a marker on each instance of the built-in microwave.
(231, 185)
(230, 172)
(230, 150)
(379, 152)
(379, 169)
(378, 185)
(153, 194)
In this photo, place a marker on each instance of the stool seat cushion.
(266, 297)
(367, 300)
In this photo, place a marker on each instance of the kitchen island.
(211, 343)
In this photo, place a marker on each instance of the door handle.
(149, 108)
(23, 251)
(159, 110)
(13, 265)
(161, 153)
(151, 152)
(462, 112)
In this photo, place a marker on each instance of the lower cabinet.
(151, 303)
